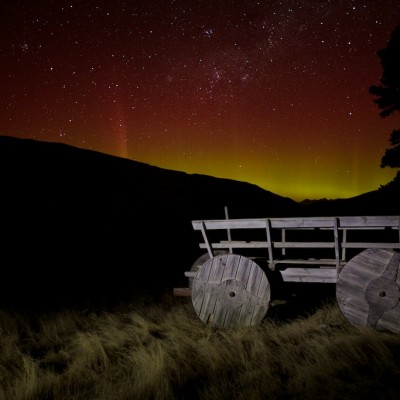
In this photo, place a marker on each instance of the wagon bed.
(341, 229)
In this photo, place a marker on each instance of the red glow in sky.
(274, 93)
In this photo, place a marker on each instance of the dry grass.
(163, 351)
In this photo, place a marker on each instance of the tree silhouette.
(391, 158)
(389, 94)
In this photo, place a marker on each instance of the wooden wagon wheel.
(201, 260)
(231, 290)
(368, 290)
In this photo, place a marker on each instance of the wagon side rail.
(339, 242)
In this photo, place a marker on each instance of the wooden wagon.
(229, 283)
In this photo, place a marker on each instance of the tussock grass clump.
(163, 351)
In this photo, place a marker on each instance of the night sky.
(274, 93)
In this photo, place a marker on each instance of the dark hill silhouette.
(383, 201)
(79, 223)
(82, 225)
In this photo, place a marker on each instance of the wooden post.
(343, 243)
(336, 236)
(283, 240)
(228, 230)
(208, 246)
(269, 244)
(399, 228)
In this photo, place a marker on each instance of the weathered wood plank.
(322, 275)
(269, 241)
(205, 238)
(207, 310)
(259, 223)
(369, 221)
(243, 271)
(308, 261)
(198, 263)
(231, 267)
(305, 245)
(367, 290)
(371, 245)
(295, 222)
(265, 245)
(336, 239)
(253, 283)
(236, 245)
(230, 290)
(216, 271)
(307, 222)
(182, 292)
(264, 290)
(302, 245)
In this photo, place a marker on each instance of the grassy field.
(150, 349)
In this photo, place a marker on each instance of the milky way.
(269, 92)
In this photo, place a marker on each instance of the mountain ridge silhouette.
(82, 224)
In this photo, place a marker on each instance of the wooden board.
(199, 263)
(182, 292)
(368, 292)
(321, 275)
(296, 222)
(229, 291)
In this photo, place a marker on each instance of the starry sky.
(269, 92)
